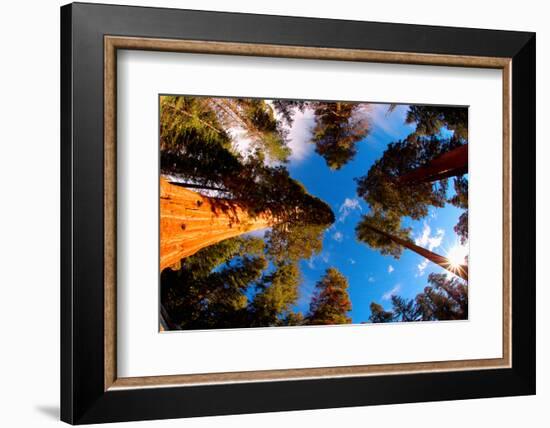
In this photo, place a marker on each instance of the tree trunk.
(450, 164)
(190, 222)
(461, 270)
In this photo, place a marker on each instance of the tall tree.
(257, 119)
(384, 187)
(330, 303)
(378, 314)
(190, 222)
(385, 233)
(453, 163)
(405, 310)
(339, 126)
(276, 293)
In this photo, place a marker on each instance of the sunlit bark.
(450, 164)
(190, 221)
(444, 262)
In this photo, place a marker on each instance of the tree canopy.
(234, 154)
(338, 128)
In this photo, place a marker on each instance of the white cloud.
(349, 205)
(338, 237)
(299, 135)
(422, 267)
(390, 269)
(426, 240)
(371, 279)
(352, 261)
(392, 292)
(389, 123)
(324, 257)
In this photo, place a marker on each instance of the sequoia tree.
(384, 232)
(238, 194)
(330, 303)
(396, 182)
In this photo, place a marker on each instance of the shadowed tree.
(431, 119)
(253, 117)
(444, 299)
(276, 293)
(460, 200)
(404, 310)
(330, 303)
(384, 232)
(453, 163)
(383, 187)
(378, 314)
(287, 108)
(209, 289)
(257, 119)
(339, 126)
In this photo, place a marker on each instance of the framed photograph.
(266, 213)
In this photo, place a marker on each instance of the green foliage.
(231, 284)
(444, 299)
(369, 227)
(295, 242)
(460, 200)
(430, 119)
(378, 314)
(262, 127)
(330, 302)
(277, 292)
(381, 188)
(287, 108)
(404, 309)
(391, 197)
(256, 119)
(338, 128)
(193, 152)
(209, 291)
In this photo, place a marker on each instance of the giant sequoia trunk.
(450, 164)
(461, 271)
(190, 222)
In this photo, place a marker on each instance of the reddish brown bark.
(190, 222)
(461, 270)
(450, 164)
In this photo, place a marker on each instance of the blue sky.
(371, 276)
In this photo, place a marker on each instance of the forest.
(251, 235)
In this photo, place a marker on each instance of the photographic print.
(283, 212)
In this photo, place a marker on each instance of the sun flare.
(457, 256)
